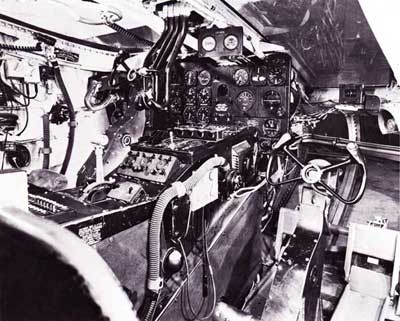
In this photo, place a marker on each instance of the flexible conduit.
(72, 118)
(154, 281)
(46, 141)
(130, 35)
(90, 100)
(5, 46)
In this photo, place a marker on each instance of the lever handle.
(354, 151)
(282, 141)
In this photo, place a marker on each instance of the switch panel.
(148, 166)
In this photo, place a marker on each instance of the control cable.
(129, 34)
(3, 88)
(212, 279)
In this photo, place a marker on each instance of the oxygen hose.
(90, 99)
(46, 150)
(177, 189)
(72, 118)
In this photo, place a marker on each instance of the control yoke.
(312, 173)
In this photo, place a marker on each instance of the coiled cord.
(5, 46)
(130, 35)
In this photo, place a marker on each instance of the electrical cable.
(207, 268)
(26, 122)
(249, 190)
(72, 117)
(187, 288)
(19, 92)
(14, 90)
(4, 152)
(6, 136)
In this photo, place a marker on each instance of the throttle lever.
(282, 141)
(354, 151)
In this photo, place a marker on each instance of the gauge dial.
(272, 101)
(190, 78)
(241, 77)
(271, 127)
(190, 96)
(276, 76)
(204, 96)
(209, 43)
(259, 76)
(189, 114)
(203, 114)
(204, 77)
(231, 42)
(245, 100)
(175, 105)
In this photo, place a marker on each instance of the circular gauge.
(245, 100)
(20, 157)
(272, 101)
(231, 42)
(204, 77)
(204, 96)
(203, 114)
(190, 96)
(271, 127)
(276, 75)
(189, 114)
(190, 78)
(209, 43)
(259, 76)
(175, 105)
(241, 77)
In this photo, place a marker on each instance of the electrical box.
(205, 191)
(17, 196)
(26, 70)
(351, 94)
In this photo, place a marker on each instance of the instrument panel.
(256, 94)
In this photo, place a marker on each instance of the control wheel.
(314, 173)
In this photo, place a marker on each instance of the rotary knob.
(160, 166)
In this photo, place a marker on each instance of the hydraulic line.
(174, 54)
(46, 150)
(150, 56)
(163, 41)
(178, 189)
(165, 55)
(72, 118)
(166, 40)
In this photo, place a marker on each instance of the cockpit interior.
(174, 160)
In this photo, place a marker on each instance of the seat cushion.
(355, 306)
(369, 282)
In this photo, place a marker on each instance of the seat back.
(374, 242)
(48, 273)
